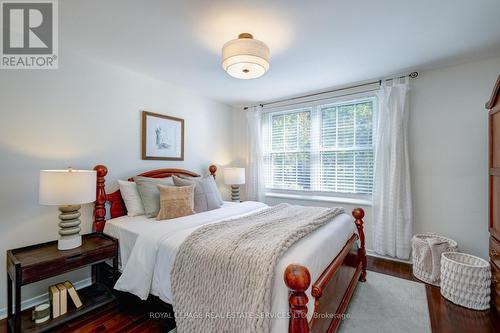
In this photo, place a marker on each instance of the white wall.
(448, 152)
(83, 114)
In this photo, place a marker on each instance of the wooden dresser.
(493, 105)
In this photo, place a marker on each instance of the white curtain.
(255, 162)
(392, 208)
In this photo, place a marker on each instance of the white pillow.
(131, 197)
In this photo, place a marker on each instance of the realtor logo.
(29, 34)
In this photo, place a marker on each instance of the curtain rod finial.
(413, 75)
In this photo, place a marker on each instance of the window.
(320, 148)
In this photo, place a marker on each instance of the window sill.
(321, 198)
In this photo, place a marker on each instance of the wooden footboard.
(332, 290)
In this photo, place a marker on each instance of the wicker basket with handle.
(465, 280)
(426, 266)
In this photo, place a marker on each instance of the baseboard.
(30, 302)
(373, 254)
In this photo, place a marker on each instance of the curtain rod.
(412, 75)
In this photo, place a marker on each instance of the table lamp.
(234, 177)
(68, 189)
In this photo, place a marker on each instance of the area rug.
(387, 304)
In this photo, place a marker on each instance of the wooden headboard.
(116, 205)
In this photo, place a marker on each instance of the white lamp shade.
(245, 57)
(234, 176)
(67, 187)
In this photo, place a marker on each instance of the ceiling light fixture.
(245, 57)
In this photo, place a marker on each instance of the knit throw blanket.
(224, 272)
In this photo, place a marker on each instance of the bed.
(330, 255)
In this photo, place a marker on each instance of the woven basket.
(419, 242)
(465, 280)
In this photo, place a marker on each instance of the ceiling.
(314, 44)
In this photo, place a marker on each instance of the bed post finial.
(213, 170)
(100, 199)
(358, 214)
(297, 279)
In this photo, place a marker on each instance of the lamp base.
(69, 231)
(235, 193)
(69, 243)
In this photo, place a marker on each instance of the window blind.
(324, 148)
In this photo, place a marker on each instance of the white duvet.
(148, 249)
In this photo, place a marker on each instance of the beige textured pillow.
(175, 201)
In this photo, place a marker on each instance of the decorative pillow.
(206, 194)
(150, 194)
(211, 181)
(175, 201)
(131, 198)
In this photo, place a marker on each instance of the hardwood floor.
(128, 315)
(134, 316)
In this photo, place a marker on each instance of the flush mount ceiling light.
(245, 57)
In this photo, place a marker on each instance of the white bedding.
(148, 249)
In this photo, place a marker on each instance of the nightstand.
(37, 262)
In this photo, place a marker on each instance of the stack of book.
(58, 294)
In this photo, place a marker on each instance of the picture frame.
(162, 137)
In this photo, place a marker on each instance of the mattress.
(148, 249)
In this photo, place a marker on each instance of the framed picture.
(162, 137)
